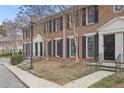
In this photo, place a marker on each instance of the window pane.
(91, 14)
(73, 49)
(59, 47)
(91, 46)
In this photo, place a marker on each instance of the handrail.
(99, 59)
(118, 61)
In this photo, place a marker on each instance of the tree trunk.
(76, 46)
(46, 49)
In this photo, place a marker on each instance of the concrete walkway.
(35, 82)
(31, 80)
(88, 80)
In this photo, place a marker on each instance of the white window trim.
(48, 39)
(57, 38)
(87, 17)
(56, 46)
(70, 37)
(87, 45)
(57, 22)
(90, 34)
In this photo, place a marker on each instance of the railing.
(119, 62)
(98, 59)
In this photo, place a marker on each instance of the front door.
(109, 47)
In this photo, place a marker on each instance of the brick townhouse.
(100, 32)
(8, 44)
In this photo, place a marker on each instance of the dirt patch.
(61, 72)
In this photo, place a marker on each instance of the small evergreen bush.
(16, 59)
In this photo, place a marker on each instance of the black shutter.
(36, 49)
(67, 21)
(26, 50)
(78, 47)
(96, 42)
(49, 48)
(54, 25)
(23, 34)
(96, 14)
(53, 48)
(83, 16)
(44, 28)
(61, 48)
(50, 26)
(67, 47)
(84, 46)
(61, 23)
(41, 48)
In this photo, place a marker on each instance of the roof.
(110, 22)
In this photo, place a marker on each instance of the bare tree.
(40, 11)
(74, 22)
(12, 29)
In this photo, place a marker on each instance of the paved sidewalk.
(31, 80)
(88, 80)
(35, 82)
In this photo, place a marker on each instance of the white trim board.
(57, 38)
(89, 34)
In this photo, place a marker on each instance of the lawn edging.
(31, 80)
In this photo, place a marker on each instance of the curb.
(16, 76)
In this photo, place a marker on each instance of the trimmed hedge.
(5, 54)
(16, 59)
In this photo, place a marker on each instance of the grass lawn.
(112, 81)
(59, 72)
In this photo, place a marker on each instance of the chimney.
(34, 18)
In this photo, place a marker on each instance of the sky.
(8, 11)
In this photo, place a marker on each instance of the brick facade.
(105, 14)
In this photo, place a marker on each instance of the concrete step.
(108, 61)
(102, 65)
(108, 69)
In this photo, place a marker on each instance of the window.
(48, 26)
(27, 49)
(72, 47)
(59, 24)
(90, 44)
(27, 33)
(68, 21)
(58, 45)
(90, 15)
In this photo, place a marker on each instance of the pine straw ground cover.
(59, 72)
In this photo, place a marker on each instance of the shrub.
(16, 59)
(5, 54)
